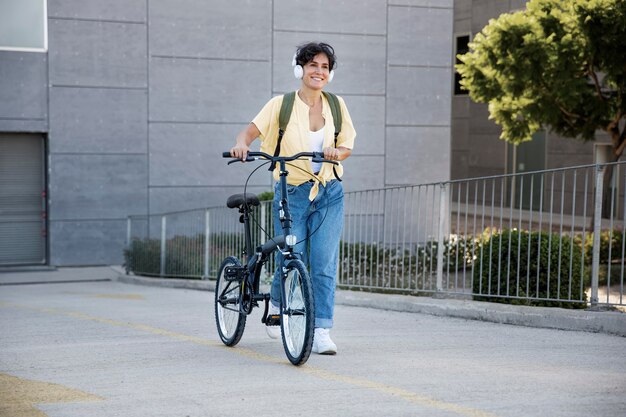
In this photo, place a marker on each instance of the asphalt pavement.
(82, 342)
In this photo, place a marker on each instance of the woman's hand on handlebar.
(331, 154)
(336, 154)
(240, 151)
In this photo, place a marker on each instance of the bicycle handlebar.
(253, 156)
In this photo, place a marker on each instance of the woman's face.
(316, 72)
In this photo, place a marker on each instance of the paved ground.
(106, 348)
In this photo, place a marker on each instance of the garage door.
(22, 199)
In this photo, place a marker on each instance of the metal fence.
(193, 243)
(552, 237)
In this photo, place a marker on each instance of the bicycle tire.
(228, 317)
(297, 313)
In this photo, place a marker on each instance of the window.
(23, 25)
(461, 47)
(523, 158)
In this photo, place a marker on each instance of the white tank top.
(317, 144)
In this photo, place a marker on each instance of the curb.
(190, 284)
(609, 322)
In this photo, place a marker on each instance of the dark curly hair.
(307, 52)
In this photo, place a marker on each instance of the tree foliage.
(559, 64)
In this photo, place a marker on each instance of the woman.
(315, 194)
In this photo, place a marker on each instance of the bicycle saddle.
(237, 200)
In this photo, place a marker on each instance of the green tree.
(558, 64)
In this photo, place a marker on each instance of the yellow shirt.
(296, 138)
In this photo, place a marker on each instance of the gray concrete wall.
(98, 137)
(142, 97)
(23, 92)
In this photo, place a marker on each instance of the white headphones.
(298, 71)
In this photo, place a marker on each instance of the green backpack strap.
(285, 111)
(283, 120)
(335, 110)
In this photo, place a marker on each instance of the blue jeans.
(317, 225)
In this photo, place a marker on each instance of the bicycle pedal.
(273, 320)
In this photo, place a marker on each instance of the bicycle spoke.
(297, 320)
(230, 296)
(229, 319)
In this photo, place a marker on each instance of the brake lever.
(248, 159)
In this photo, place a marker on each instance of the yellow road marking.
(120, 296)
(307, 369)
(19, 396)
(397, 392)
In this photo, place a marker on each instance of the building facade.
(476, 150)
(123, 107)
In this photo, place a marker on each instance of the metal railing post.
(129, 264)
(207, 231)
(163, 235)
(597, 229)
(443, 200)
(128, 228)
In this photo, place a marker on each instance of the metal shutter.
(22, 199)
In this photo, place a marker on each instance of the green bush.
(608, 240)
(221, 246)
(459, 252)
(144, 257)
(362, 264)
(184, 255)
(534, 259)
(266, 196)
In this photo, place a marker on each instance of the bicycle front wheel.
(230, 321)
(297, 313)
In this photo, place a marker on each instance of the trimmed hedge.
(609, 240)
(535, 259)
(362, 264)
(184, 255)
(143, 256)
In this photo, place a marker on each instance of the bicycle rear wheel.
(230, 321)
(297, 313)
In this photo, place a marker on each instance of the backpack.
(285, 114)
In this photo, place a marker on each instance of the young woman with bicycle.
(315, 189)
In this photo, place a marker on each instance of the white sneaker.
(322, 343)
(273, 331)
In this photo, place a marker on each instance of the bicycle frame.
(285, 242)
